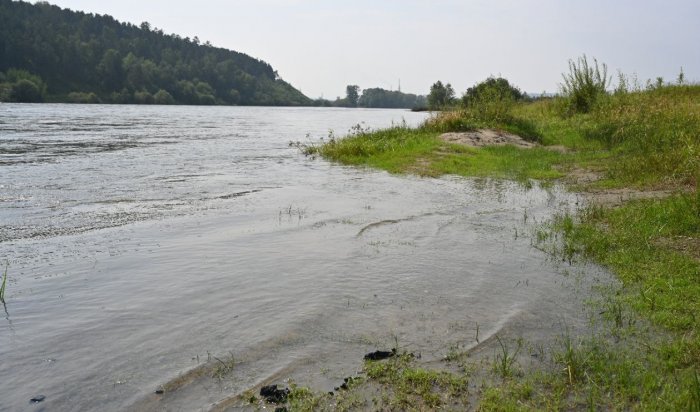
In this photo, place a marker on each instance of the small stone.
(37, 399)
(159, 391)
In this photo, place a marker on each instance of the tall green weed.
(585, 84)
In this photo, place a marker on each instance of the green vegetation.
(394, 384)
(636, 138)
(441, 96)
(2, 287)
(87, 58)
(585, 84)
(641, 140)
(493, 89)
(21, 86)
(375, 98)
(380, 98)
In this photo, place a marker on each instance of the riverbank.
(636, 157)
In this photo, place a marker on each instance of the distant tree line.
(442, 96)
(375, 98)
(53, 54)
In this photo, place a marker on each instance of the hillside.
(53, 54)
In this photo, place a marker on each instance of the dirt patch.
(683, 244)
(579, 176)
(486, 137)
(617, 197)
(558, 148)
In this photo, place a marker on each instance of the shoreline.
(641, 222)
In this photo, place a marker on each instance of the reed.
(4, 282)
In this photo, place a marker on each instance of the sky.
(320, 46)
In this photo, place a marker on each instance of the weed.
(585, 84)
(504, 362)
(4, 282)
(572, 357)
(224, 367)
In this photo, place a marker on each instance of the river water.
(144, 242)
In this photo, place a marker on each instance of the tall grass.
(656, 133)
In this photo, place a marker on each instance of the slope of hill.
(53, 54)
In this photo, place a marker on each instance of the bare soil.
(486, 137)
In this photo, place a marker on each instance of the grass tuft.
(4, 282)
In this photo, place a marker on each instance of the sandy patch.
(486, 137)
(618, 197)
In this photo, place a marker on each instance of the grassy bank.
(641, 139)
(646, 355)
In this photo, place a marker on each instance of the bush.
(585, 84)
(26, 91)
(5, 92)
(491, 100)
(493, 86)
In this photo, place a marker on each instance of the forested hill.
(53, 54)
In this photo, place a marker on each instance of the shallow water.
(143, 241)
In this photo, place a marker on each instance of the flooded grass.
(644, 353)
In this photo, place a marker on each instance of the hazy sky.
(320, 46)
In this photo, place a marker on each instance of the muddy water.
(144, 241)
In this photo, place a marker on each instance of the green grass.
(408, 387)
(637, 242)
(640, 139)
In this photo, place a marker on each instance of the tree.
(80, 53)
(352, 93)
(110, 69)
(440, 95)
(163, 97)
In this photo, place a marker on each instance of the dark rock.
(346, 382)
(159, 391)
(380, 355)
(37, 399)
(274, 395)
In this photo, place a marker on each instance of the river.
(143, 241)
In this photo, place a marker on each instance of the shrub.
(585, 84)
(493, 86)
(26, 91)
